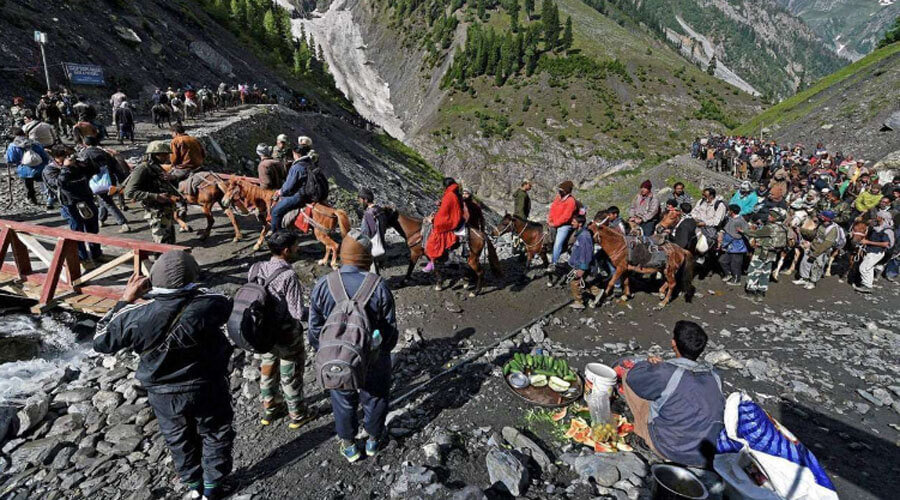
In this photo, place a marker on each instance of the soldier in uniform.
(17, 112)
(150, 185)
(844, 213)
(769, 238)
(815, 253)
(282, 150)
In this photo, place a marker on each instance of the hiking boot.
(799, 281)
(373, 447)
(125, 228)
(862, 289)
(577, 305)
(270, 415)
(349, 450)
(735, 281)
(213, 492)
(298, 420)
(809, 286)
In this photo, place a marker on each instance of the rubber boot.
(575, 288)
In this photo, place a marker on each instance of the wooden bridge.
(57, 277)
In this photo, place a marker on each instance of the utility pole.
(41, 38)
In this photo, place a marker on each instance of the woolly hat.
(356, 250)
(174, 269)
(567, 187)
(647, 184)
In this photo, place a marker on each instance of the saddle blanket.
(193, 184)
(293, 219)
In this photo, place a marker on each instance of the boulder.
(521, 441)
(39, 451)
(892, 123)
(122, 431)
(504, 467)
(67, 424)
(106, 401)
(469, 493)
(9, 423)
(73, 396)
(413, 478)
(128, 35)
(597, 468)
(33, 412)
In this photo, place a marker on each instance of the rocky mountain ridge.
(850, 27)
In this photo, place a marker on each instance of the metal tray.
(547, 397)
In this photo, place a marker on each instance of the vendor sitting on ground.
(677, 404)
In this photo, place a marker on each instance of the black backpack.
(316, 188)
(254, 325)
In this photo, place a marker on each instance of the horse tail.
(343, 221)
(687, 277)
(494, 261)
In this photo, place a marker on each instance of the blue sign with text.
(84, 74)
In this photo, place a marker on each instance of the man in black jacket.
(103, 162)
(184, 360)
(69, 179)
(685, 230)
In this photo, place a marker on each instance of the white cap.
(304, 141)
(282, 138)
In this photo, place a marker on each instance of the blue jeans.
(107, 206)
(648, 227)
(285, 205)
(562, 236)
(374, 397)
(78, 223)
(892, 269)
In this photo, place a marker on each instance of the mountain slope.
(756, 41)
(850, 27)
(845, 110)
(617, 98)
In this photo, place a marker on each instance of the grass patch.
(800, 104)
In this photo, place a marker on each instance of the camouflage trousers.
(162, 224)
(759, 271)
(283, 367)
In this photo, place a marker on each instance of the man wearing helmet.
(767, 239)
(150, 185)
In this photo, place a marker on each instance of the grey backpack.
(346, 338)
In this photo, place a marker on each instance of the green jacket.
(765, 236)
(523, 204)
(843, 213)
(146, 182)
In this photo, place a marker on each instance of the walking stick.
(9, 182)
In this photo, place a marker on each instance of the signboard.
(84, 74)
(40, 37)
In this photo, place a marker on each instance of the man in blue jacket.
(580, 258)
(292, 193)
(677, 404)
(29, 159)
(356, 258)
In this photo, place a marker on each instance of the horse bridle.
(519, 235)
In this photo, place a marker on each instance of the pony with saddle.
(476, 239)
(207, 189)
(322, 218)
(534, 237)
(623, 255)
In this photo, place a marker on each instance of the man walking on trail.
(70, 179)
(271, 172)
(374, 395)
(559, 218)
(677, 404)
(770, 238)
(645, 209)
(177, 331)
(284, 363)
(38, 131)
(28, 158)
(373, 224)
(293, 192)
(580, 258)
(522, 208)
(187, 154)
(124, 122)
(733, 245)
(449, 218)
(104, 163)
(150, 185)
(815, 253)
(879, 240)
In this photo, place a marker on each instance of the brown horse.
(411, 229)
(211, 191)
(615, 246)
(858, 231)
(324, 219)
(535, 239)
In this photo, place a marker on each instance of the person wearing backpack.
(29, 160)
(69, 178)
(284, 362)
(184, 357)
(733, 246)
(770, 238)
(710, 213)
(293, 193)
(106, 168)
(353, 340)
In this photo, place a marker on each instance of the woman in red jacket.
(447, 219)
(562, 209)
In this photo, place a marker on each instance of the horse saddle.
(195, 182)
(645, 252)
(294, 219)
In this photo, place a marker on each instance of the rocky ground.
(823, 362)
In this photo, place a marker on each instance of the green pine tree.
(550, 22)
(271, 29)
(481, 6)
(567, 38)
(529, 8)
(513, 9)
(711, 69)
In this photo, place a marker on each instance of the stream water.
(34, 350)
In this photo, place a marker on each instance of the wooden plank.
(60, 255)
(20, 256)
(101, 270)
(35, 246)
(114, 241)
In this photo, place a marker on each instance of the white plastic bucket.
(603, 380)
